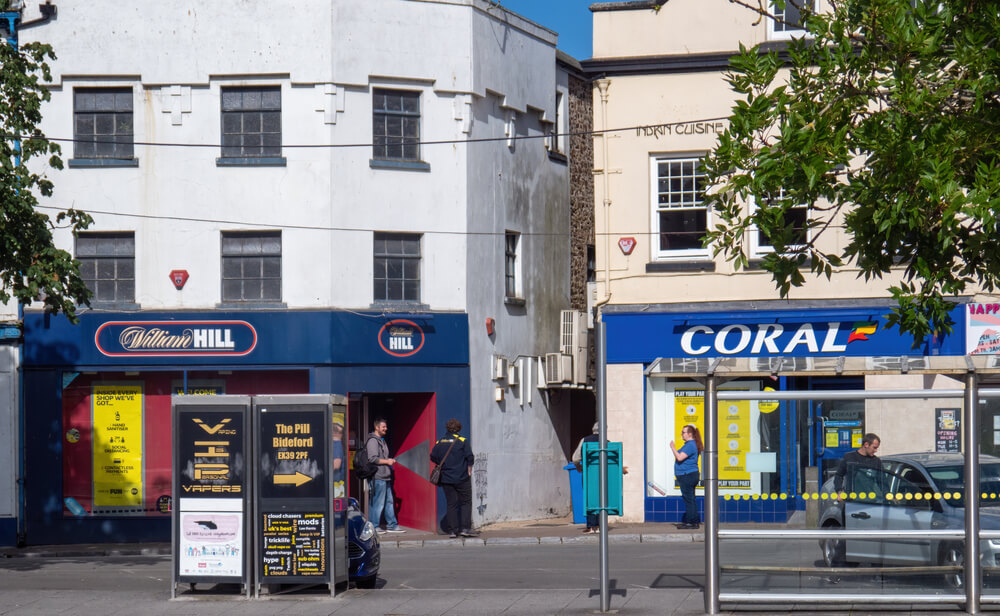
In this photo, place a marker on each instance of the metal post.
(973, 571)
(710, 468)
(602, 423)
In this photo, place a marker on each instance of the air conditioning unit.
(558, 369)
(573, 342)
(500, 366)
(541, 380)
(514, 374)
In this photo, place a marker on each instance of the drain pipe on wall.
(600, 347)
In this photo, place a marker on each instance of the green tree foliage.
(885, 120)
(32, 269)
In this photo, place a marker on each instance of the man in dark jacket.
(456, 478)
(864, 457)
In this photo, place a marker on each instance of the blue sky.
(570, 18)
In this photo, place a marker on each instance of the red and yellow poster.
(734, 433)
(117, 446)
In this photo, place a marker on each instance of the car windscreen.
(952, 479)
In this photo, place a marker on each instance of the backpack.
(363, 467)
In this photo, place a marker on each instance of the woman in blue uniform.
(686, 471)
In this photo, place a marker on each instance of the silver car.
(922, 476)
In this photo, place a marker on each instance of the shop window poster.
(734, 433)
(117, 446)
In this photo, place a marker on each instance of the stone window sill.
(95, 163)
(699, 265)
(405, 165)
(247, 161)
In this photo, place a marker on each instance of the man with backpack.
(382, 500)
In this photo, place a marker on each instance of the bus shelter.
(920, 536)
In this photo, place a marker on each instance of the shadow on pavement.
(39, 564)
(668, 580)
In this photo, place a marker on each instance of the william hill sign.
(175, 338)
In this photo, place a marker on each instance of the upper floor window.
(102, 123)
(680, 216)
(557, 136)
(251, 266)
(397, 267)
(512, 265)
(396, 125)
(251, 122)
(795, 220)
(107, 266)
(788, 19)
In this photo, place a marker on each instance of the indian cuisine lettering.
(681, 128)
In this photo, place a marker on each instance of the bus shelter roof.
(735, 367)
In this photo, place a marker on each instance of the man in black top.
(456, 478)
(864, 457)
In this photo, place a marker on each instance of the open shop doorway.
(412, 421)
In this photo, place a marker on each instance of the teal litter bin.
(576, 494)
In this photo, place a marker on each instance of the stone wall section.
(581, 191)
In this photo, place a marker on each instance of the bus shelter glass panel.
(907, 500)
(989, 492)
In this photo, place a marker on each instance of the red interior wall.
(416, 497)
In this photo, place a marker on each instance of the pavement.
(117, 598)
(547, 531)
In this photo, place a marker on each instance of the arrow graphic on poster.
(297, 479)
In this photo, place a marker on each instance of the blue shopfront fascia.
(642, 337)
(255, 338)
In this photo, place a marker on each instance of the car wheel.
(367, 582)
(833, 549)
(953, 555)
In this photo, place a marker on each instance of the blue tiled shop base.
(671, 509)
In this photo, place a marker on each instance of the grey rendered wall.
(519, 440)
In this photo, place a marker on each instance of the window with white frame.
(680, 216)
(788, 19)
(397, 267)
(107, 266)
(795, 219)
(512, 264)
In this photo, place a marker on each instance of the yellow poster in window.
(734, 433)
(117, 446)
(832, 438)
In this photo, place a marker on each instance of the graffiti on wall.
(479, 475)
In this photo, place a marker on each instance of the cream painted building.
(660, 101)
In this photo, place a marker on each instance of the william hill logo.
(174, 338)
(401, 338)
